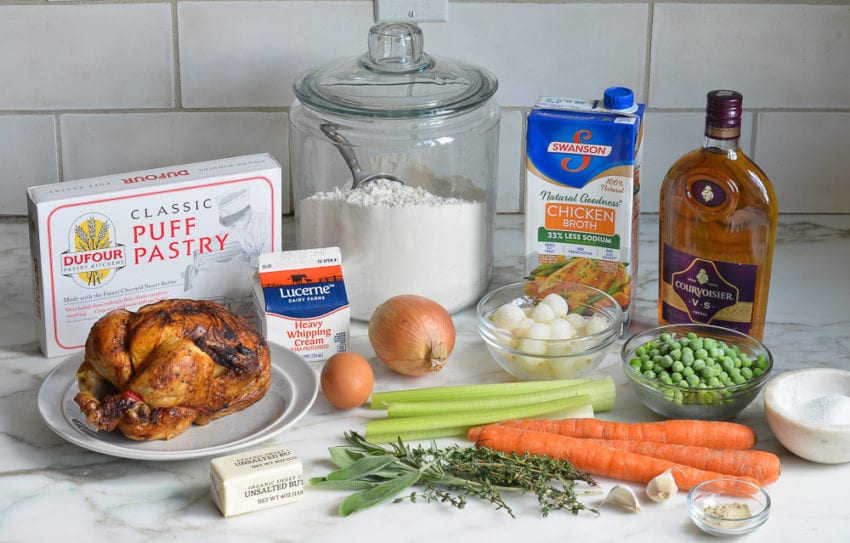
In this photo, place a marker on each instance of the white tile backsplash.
(806, 156)
(86, 56)
(27, 157)
(138, 83)
(101, 144)
(243, 54)
(778, 56)
(536, 49)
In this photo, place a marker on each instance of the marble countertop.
(53, 489)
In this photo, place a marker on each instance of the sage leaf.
(346, 484)
(379, 493)
(364, 466)
(343, 457)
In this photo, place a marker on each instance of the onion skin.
(412, 335)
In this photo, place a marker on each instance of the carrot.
(703, 433)
(593, 458)
(760, 465)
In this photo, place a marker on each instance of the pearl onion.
(532, 346)
(561, 329)
(539, 330)
(508, 316)
(557, 303)
(577, 322)
(596, 324)
(543, 313)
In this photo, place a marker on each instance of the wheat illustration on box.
(94, 236)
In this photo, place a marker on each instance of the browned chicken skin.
(152, 373)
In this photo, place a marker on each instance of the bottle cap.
(619, 98)
(723, 114)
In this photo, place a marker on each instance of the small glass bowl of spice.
(728, 506)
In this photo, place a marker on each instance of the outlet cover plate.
(413, 11)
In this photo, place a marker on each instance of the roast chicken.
(153, 373)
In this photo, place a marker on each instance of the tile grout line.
(57, 127)
(175, 58)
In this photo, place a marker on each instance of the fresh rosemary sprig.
(449, 475)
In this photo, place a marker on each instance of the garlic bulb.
(624, 497)
(662, 486)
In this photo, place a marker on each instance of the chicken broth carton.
(582, 204)
(122, 241)
(301, 301)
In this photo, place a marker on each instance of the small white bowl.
(746, 506)
(789, 405)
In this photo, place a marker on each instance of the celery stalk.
(459, 431)
(601, 392)
(381, 399)
(400, 427)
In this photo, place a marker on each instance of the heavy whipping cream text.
(301, 301)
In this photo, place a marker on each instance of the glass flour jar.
(429, 127)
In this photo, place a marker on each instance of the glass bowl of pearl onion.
(538, 330)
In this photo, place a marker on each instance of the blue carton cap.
(619, 98)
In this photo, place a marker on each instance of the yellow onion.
(412, 335)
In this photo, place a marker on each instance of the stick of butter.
(255, 480)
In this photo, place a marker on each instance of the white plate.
(292, 392)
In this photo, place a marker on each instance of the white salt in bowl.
(809, 413)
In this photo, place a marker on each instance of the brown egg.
(347, 380)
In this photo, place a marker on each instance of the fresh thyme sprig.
(449, 475)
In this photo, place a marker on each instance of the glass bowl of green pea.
(696, 371)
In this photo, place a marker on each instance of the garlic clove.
(662, 487)
(624, 497)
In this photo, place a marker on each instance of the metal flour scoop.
(347, 152)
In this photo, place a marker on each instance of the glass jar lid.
(395, 79)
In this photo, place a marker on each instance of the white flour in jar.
(399, 239)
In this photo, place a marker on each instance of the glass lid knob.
(396, 48)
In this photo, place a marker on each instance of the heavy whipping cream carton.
(583, 191)
(301, 301)
(122, 241)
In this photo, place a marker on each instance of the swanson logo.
(579, 151)
(93, 256)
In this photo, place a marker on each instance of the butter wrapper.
(254, 480)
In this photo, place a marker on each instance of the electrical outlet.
(413, 11)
